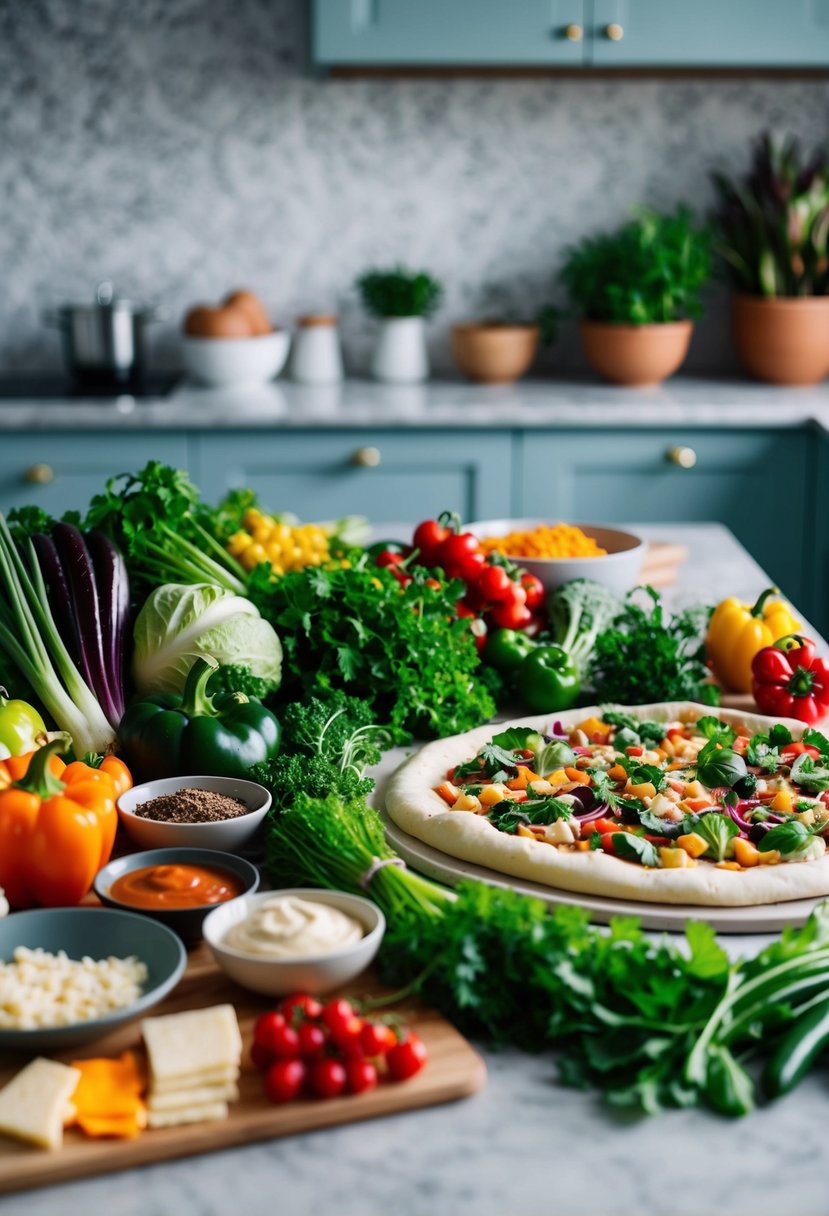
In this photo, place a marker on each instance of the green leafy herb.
(635, 848)
(644, 731)
(651, 270)
(642, 774)
(814, 738)
(401, 649)
(506, 815)
(720, 766)
(786, 837)
(649, 655)
(716, 731)
(595, 840)
(519, 737)
(399, 292)
(717, 831)
(810, 775)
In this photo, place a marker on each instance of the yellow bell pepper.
(737, 631)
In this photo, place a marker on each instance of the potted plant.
(401, 299)
(637, 289)
(501, 348)
(772, 233)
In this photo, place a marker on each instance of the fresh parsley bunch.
(351, 626)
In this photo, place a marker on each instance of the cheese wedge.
(197, 1096)
(33, 1104)
(108, 1097)
(190, 1114)
(180, 1045)
(193, 1080)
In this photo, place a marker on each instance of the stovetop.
(55, 387)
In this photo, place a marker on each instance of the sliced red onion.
(584, 795)
(601, 812)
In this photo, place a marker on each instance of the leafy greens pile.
(351, 626)
(649, 1024)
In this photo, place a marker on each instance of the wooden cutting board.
(661, 565)
(454, 1070)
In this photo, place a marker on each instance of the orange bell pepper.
(57, 827)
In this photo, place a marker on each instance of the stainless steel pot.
(104, 342)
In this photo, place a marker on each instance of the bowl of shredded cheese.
(69, 976)
(556, 552)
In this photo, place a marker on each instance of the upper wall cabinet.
(448, 32)
(571, 33)
(709, 33)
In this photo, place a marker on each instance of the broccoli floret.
(232, 678)
(579, 611)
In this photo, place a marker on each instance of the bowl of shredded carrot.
(557, 552)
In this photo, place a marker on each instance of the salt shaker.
(315, 355)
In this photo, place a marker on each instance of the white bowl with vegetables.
(297, 939)
(618, 568)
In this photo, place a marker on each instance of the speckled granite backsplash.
(181, 148)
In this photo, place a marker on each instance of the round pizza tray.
(763, 918)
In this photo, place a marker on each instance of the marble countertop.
(358, 404)
(523, 1146)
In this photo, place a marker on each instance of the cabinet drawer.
(754, 482)
(386, 476)
(61, 472)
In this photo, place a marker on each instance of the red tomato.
(335, 1013)
(800, 749)
(461, 557)
(309, 1006)
(534, 589)
(311, 1040)
(377, 1039)
(361, 1075)
(388, 557)
(285, 1079)
(328, 1078)
(260, 1057)
(428, 537)
(267, 1029)
(512, 613)
(407, 1057)
(494, 585)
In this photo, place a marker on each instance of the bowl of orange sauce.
(175, 886)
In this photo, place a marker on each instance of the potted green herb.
(401, 300)
(772, 234)
(637, 289)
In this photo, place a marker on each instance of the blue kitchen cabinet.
(61, 472)
(818, 506)
(385, 475)
(755, 482)
(449, 32)
(708, 33)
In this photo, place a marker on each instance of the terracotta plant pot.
(785, 341)
(494, 354)
(636, 354)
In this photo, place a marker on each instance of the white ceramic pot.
(400, 351)
(315, 354)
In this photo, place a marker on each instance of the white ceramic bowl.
(227, 835)
(236, 362)
(619, 570)
(278, 977)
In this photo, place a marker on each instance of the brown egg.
(249, 303)
(206, 322)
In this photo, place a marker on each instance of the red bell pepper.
(789, 681)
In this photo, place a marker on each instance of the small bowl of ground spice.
(194, 812)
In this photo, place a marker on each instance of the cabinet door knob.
(39, 475)
(366, 458)
(683, 458)
(573, 32)
(615, 32)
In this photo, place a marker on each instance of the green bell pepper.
(20, 725)
(506, 649)
(548, 680)
(169, 736)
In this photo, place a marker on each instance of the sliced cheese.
(196, 1096)
(33, 1104)
(216, 1076)
(190, 1114)
(197, 1041)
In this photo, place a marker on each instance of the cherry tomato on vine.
(512, 613)
(261, 1058)
(428, 537)
(309, 1005)
(312, 1040)
(407, 1057)
(494, 585)
(285, 1079)
(377, 1039)
(534, 589)
(461, 557)
(328, 1078)
(361, 1076)
(273, 1034)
